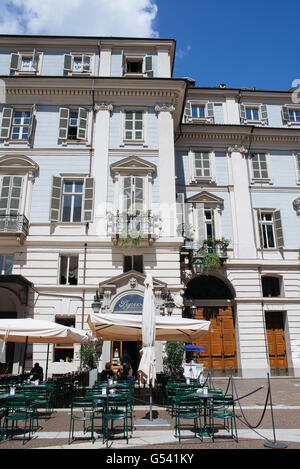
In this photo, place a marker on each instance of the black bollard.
(273, 444)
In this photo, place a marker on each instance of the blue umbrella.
(193, 348)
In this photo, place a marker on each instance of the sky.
(241, 44)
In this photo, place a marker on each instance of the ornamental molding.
(164, 108)
(296, 204)
(231, 137)
(237, 149)
(103, 107)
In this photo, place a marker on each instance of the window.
(202, 165)
(68, 274)
(137, 65)
(133, 263)
(198, 110)
(133, 193)
(72, 198)
(6, 264)
(270, 229)
(17, 124)
(78, 63)
(73, 124)
(25, 62)
(134, 126)
(291, 115)
(10, 196)
(209, 224)
(259, 166)
(64, 352)
(294, 115)
(271, 286)
(267, 230)
(254, 113)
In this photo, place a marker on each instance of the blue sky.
(241, 44)
(252, 44)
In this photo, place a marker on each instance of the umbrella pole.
(24, 358)
(46, 375)
(150, 413)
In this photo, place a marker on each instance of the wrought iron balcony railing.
(135, 226)
(15, 224)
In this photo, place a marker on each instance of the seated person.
(127, 373)
(37, 372)
(107, 372)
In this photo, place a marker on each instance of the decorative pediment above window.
(296, 204)
(133, 165)
(206, 198)
(18, 164)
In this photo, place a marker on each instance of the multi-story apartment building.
(110, 167)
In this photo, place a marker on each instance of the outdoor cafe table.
(205, 398)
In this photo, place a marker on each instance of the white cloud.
(181, 53)
(128, 18)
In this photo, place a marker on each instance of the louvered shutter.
(86, 63)
(15, 62)
(187, 109)
(285, 113)
(55, 199)
(64, 114)
(68, 62)
(260, 232)
(200, 231)
(278, 229)
(148, 64)
(35, 60)
(7, 114)
(210, 111)
(242, 113)
(32, 123)
(138, 193)
(88, 199)
(264, 113)
(82, 124)
(124, 70)
(180, 214)
(10, 197)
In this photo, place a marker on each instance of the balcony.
(130, 229)
(14, 225)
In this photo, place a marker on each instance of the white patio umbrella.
(146, 368)
(33, 331)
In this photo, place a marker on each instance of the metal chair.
(188, 408)
(222, 407)
(87, 414)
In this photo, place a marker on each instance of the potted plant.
(211, 261)
(173, 359)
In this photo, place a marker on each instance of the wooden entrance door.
(219, 345)
(276, 343)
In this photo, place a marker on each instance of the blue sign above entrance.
(129, 304)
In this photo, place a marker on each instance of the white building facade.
(110, 168)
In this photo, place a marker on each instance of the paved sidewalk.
(285, 393)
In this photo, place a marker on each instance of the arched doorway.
(212, 298)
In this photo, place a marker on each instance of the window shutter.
(63, 123)
(14, 62)
(139, 193)
(180, 214)
(127, 192)
(35, 60)
(7, 114)
(278, 229)
(55, 199)
(82, 124)
(210, 110)
(68, 63)
(200, 233)
(187, 109)
(32, 122)
(88, 199)
(148, 64)
(123, 64)
(86, 63)
(264, 113)
(285, 113)
(11, 192)
(242, 113)
(260, 233)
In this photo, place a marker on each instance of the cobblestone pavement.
(285, 393)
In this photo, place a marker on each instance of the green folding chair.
(188, 408)
(223, 408)
(82, 410)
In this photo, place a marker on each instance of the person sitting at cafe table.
(107, 372)
(37, 372)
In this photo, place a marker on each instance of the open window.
(18, 124)
(73, 124)
(254, 114)
(199, 112)
(271, 286)
(137, 65)
(78, 63)
(26, 63)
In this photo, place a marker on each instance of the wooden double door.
(220, 345)
(276, 343)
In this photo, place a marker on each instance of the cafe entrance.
(132, 349)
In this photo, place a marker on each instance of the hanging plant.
(211, 261)
(132, 237)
